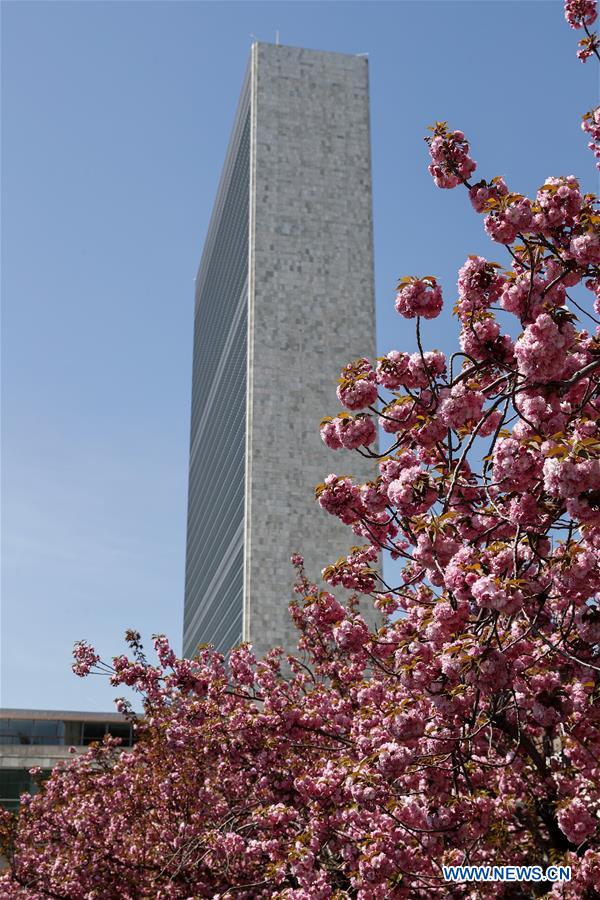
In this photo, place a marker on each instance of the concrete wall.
(46, 756)
(311, 311)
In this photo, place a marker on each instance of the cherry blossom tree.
(467, 729)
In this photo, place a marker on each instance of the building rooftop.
(64, 714)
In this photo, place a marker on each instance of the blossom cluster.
(579, 13)
(451, 163)
(419, 297)
(583, 14)
(591, 125)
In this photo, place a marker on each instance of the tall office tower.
(284, 299)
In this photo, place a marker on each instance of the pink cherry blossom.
(357, 388)
(412, 491)
(504, 224)
(591, 124)
(419, 297)
(482, 192)
(542, 349)
(577, 821)
(460, 406)
(451, 162)
(354, 431)
(580, 12)
(585, 249)
(559, 201)
(479, 285)
(392, 369)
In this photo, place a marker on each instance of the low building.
(42, 738)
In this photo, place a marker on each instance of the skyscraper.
(284, 299)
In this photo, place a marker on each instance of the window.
(61, 733)
(48, 731)
(95, 731)
(32, 731)
(14, 782)
(120, 730)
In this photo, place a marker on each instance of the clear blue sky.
(115, 122)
